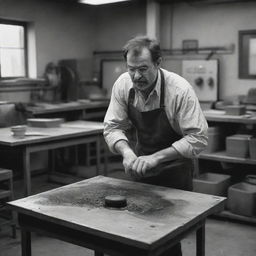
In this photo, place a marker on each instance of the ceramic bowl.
(19, 131)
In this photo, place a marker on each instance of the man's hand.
(128, 161)
(127, 153)
(143, 164)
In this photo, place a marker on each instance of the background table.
(155, 218)
(40, 139)
(81, 109)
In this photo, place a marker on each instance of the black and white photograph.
(127, 128)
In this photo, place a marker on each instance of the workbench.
(154, 219)
(73, 110)
(44, 139)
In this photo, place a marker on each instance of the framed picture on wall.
(247, 54)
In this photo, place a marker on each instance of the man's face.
(142, 70)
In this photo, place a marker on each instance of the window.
(12, 49)
(247, 54)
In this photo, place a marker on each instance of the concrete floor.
(223, 237)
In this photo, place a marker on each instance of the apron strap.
(131, 96)
(162, 90)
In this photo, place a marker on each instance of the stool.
(6, 194)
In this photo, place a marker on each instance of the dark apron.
(154, 133)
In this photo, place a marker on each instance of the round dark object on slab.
(115, 201)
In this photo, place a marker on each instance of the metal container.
(236, 110)
(238, 145)
(242, 197)
(212, 183)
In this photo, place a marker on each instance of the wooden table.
(154, 219)
(40, 139)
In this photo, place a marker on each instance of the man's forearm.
(123, 147)
(167, 154)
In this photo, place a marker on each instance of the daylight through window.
(12, 50)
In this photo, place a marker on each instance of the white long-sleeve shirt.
(181, 105)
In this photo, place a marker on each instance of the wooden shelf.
(229, 49)
(25, 84)
(232, 216)
(223, 157)
(220, 116)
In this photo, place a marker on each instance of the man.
(163, 110)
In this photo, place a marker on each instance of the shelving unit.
(25, 84)
(219, 118)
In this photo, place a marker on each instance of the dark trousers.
(177, 174)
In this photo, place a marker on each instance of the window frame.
(25, 26)
(244, 39)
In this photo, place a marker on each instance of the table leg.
(13, 213)
(51, 161)
(25, 243)
(200, 241)
(88, 155)
(98, 156)
(76, 160)
(196, 167)
(26, 171)
(105, 157)
(96, 253)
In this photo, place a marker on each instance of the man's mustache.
(139, 81)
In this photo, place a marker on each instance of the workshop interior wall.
(75, 31)
(213, 25)
(217, 25)
(61, 30)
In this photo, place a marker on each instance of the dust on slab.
(138, 201)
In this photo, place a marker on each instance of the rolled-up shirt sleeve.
(192, 124)
(116, 122)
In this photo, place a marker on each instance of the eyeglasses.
(141, 70)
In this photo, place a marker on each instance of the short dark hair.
(137, 43)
